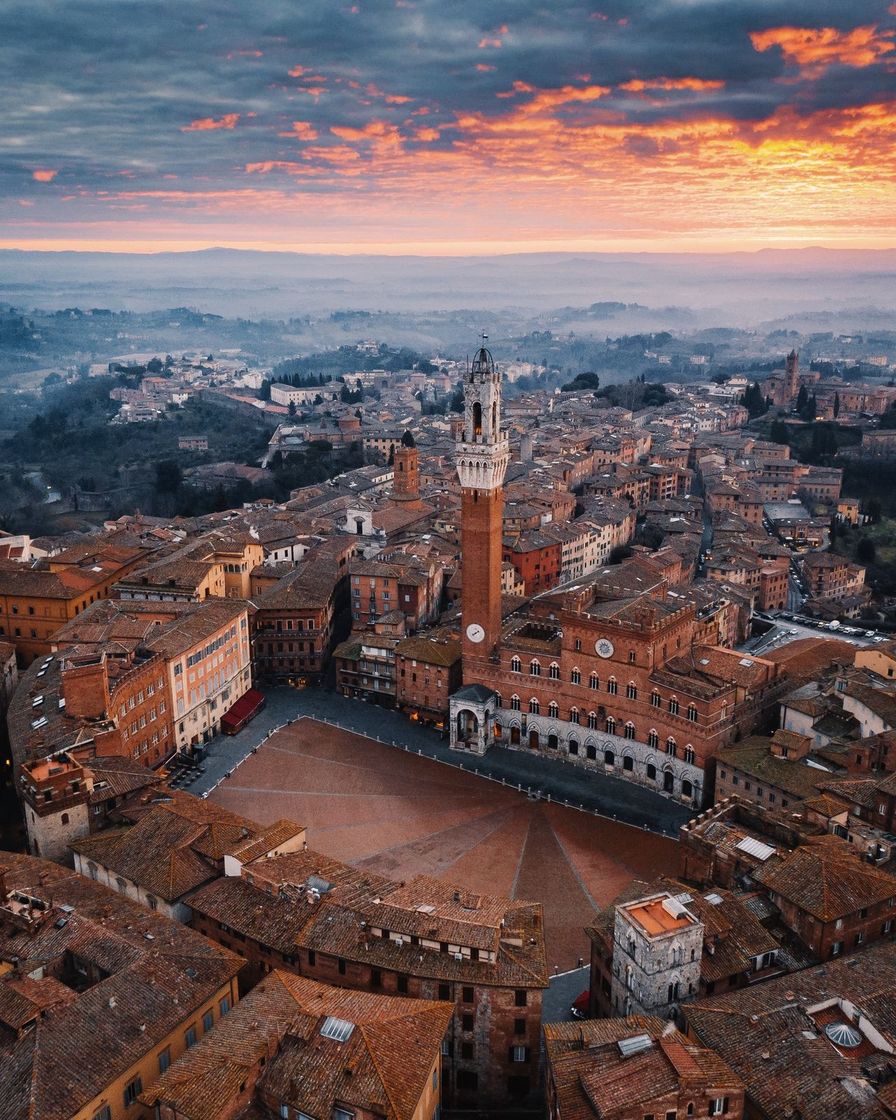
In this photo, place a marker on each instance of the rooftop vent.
(634, 1045)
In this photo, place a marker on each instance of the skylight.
(843, 1034)
(337, 1029)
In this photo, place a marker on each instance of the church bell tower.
(482, 454)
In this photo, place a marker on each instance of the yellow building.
(294, 1047)
(108, 996)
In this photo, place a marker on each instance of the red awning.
(580, 1003)
(248, 705)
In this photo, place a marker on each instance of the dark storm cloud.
(186, 96)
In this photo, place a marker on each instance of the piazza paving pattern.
(402, 815)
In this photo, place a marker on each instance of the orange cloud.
(483, 67)
(817, 48)
(487, 42)
(209, 124)
(397, 99)
(297, 71)
(427, 135)
(301, 130)
(637, 85)
(44, 175)
(244, 54)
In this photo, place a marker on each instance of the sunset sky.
(431, 126)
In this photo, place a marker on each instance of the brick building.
(425, 939)
(98, 996)
(36, 602)
(634, 1068)
(296, 1048)
(296, 619)
(176, 845)
(428, 671)
(606, 672)
(830, 898)
(810, 1044)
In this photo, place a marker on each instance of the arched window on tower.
(477, 419)
(494, 419)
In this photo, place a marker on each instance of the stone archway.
(467, 726)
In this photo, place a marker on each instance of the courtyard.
(404, 814)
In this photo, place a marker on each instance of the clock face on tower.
(603, 647)
(475, 632)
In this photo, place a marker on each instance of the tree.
(587, 380)
(836, 405)
(169, 476)
(292, 408)
(873, 510)
(802, 399)
(264, 391)
(865, 551)
(778, 432)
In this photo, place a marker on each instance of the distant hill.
(743, 288)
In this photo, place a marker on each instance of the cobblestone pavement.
(556, 779)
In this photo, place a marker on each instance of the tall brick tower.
(792, 381)
(405, 471)
(482, 455)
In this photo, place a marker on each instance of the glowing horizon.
(405, 129)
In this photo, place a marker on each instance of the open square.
(402, 815)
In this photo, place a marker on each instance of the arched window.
(573, 746)
(610, 726)
(609, 758)
(655, 699)
(628, 763)
(534, 668)
(631, 691)
(477, 419)
(553, 709)
(515, 702)
(673, 706)
(591, 751)
(573, 715)
(629, 730)
(653, 740)
(692, 713)
(554, 671)
(631, 657)
(64, 818)
(534, 707)
(651, 771)
(687, 790)
(576, 676)
(516, 665)
(553, 742)
(689, 753)
(593, 681)
(671, 748)
(612, 687)
(498, 703)
(592, 720)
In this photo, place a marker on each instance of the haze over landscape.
(448, 560)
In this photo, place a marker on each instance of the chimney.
(85, 687)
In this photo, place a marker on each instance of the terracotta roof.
(424, 908)
(593, 1078)
(156, 975)
(825, 878)
(174, 847)
(385, 1062)
(765, 1033)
